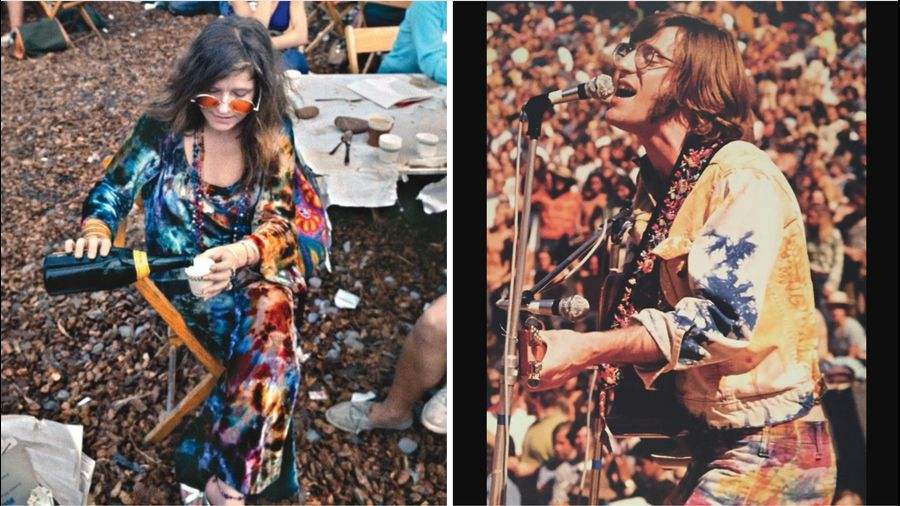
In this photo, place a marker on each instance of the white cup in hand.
(195, 275)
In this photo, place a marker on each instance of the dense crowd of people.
(808, 61)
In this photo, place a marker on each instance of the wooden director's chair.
(51, 9)
(179, 335)
(336, 15)
(368, 40)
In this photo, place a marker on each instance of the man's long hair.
(710, 84)
(224, 47)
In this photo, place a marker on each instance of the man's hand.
(570, 352)
(566, 356)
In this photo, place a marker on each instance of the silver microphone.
(572, 308)
(600, 87)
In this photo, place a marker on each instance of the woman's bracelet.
(249, 246)
(92, 227)
(236, 251)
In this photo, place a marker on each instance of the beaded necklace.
(642, 287)
(238, 207)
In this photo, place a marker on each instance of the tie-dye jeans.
(789, 463)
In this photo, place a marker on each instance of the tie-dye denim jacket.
(735, 269)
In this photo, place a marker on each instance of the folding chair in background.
(51, 9)
(368, 40)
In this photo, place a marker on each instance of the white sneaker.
(6, 40)
(434, 414)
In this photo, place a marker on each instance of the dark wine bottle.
(63, 273)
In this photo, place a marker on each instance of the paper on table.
(361, 188)
(388, 92)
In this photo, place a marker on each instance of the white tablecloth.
(366, 181)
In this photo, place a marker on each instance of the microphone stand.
(532, 113)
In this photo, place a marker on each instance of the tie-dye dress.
(243, 433)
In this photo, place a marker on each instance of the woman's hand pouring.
(228, 259)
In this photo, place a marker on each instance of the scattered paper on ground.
(43, 452)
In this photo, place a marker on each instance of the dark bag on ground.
(45, 36)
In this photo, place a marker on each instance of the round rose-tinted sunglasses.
(238, 105)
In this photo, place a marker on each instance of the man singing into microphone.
(717, 287)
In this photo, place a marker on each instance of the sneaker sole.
(434, 428)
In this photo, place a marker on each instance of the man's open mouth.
(624, 90)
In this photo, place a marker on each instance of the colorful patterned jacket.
(741, 337)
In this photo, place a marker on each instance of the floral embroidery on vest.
(642, 286)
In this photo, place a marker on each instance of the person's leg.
(16, 14)
(293, 59)
(790, 463)
(236, 447)
(421, 366)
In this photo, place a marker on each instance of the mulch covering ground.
(61, 114)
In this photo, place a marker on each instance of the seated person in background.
(848, 337)
(384, 13)
(422, 364)
(286, 22)
(421, 45)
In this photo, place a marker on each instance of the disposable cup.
(390, 145)
(378, 125)
(195, 275)
(426, 144)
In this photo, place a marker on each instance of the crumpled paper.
(43, 453)
(434, 197)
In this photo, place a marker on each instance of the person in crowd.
(214, 163)
(421, 44)
(560, 212)
(286, 22)
(422, 364)
(826, 252)
(559, 477)
(848, 338)
(537, 446)
(594, 201)
(653, 482)
(385, 13)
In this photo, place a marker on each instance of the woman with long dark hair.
(213, 162)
